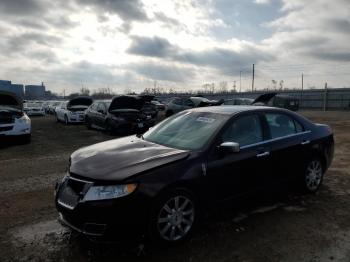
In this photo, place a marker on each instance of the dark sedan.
(122, 115)
(156, 184)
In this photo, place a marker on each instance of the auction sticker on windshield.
(205, 119)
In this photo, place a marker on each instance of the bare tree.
(281, 84)
(274, 84)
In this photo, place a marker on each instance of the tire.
(171, 223)
(169, 113)
(66, 120)
(108, 128)
(313, 176)
(88, 123)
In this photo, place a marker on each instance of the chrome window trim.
(275, 139)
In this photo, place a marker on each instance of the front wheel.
(66, 122)
(173, 217)
(313, 175)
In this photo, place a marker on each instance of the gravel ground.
(280, 227)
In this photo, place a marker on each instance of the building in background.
(35, 91)
(6, 85)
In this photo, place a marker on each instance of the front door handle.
(263, 154)
(305, 142)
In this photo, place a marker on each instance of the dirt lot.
(285, 227)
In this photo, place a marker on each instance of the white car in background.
(52, 106)
(73, 111)
(13, 121)
(34, 108)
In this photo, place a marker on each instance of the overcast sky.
(128, 44)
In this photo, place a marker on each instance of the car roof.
(231, 110)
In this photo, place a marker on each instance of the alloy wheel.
(176, 218)
(314, 173)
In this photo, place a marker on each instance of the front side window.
(281, 125)
(188, 102)
(189, 130)
(245, 130)
(177, 101)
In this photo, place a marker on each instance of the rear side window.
(189, 102)
(101, 107)
(282, 125)
(94, 106)
(245, 130)
(177, 101)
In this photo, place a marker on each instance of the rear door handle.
(305, 142)
(263, 154)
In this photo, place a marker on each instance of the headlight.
(24, 120)
(109, 192)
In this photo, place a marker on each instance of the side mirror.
(229, 147)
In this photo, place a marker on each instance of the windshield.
(188, 130)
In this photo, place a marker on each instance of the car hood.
(122, 158)
(80, 101)
(10, 100)
(264, 98)
(126, 102)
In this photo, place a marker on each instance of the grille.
(5, 128)
(72, 191)
(6, 119)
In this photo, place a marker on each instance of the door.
(188, 104)
(234, 174)
(286, 143)
(176, 105)
(100, 115)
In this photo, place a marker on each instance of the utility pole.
(253, 78)
(325, 98)
(302, 89)
(240, 81)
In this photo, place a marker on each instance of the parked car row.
(124, 114)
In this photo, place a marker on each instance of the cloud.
(21, 7)
(163, 72)
(127, 10)
(21, 42)
(316, 29)
(153, 47)
(262, 2)
(222, 59)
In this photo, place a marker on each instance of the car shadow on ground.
(6, 142)
(228, 216)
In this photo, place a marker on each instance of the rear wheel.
(108, 128)
(313, 175)
(173, 217)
